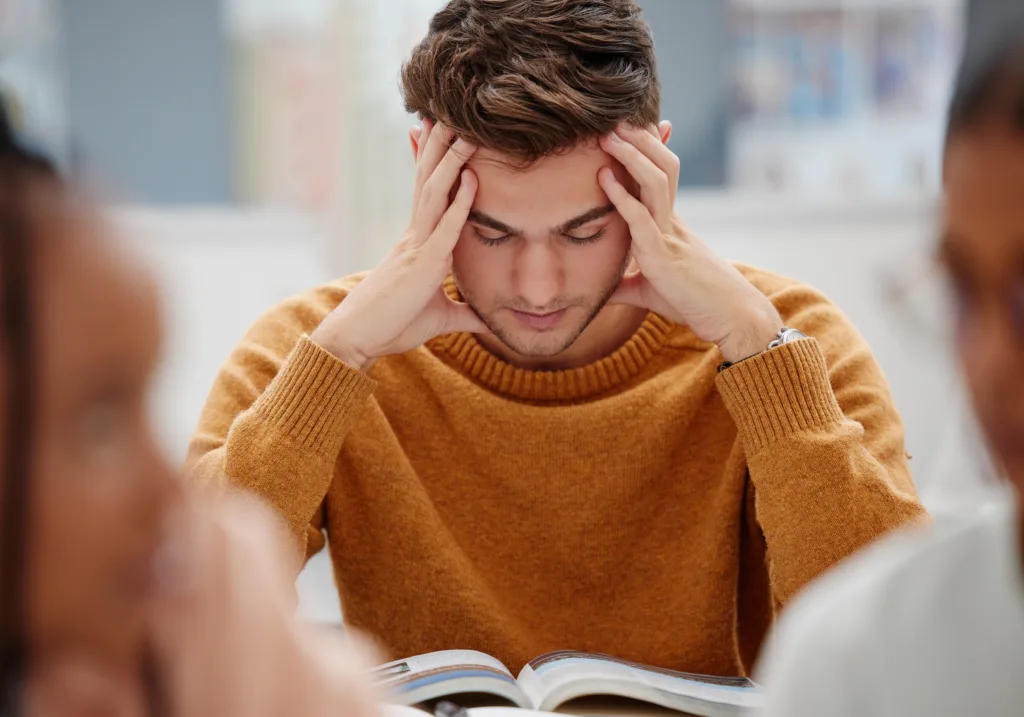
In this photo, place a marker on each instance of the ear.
(665, 131)
(414, 140)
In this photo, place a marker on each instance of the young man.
(514, 430)
(933, 625)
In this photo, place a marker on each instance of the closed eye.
(585, 240)
(491, 240)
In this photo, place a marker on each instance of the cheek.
(77, 519)
(473, 263)
(991, 358)
(603, 259)
(70, 552)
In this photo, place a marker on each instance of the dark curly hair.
(531, 78)
(19, 170)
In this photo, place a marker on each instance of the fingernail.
(628, 126)
(614, 137)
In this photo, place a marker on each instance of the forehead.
(548, 192)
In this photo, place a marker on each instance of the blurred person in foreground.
(933, 624)
(123, 593)
(552, 418)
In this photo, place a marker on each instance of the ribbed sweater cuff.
(779, 392)
(313, 397)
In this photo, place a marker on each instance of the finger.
(437, 145)
(654, 188)
(460, 318)
(436, 195)
(648, 141)
(646, 234)
(446, 234)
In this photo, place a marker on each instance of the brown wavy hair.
(532, 78)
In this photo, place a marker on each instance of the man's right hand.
(402, 303)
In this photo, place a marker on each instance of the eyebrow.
(574, 223)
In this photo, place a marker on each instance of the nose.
(163, 487)
(991, 356)
(539, 275)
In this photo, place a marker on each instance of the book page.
(423, 678)
(553, 679)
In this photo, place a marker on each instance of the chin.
(536, 344)
(536, 348)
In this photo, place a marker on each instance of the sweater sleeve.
(276, 417)
(824, 443)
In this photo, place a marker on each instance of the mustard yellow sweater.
(643, 506)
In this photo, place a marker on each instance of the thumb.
(630, 291)
(459, 318)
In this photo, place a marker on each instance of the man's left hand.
(675, 274)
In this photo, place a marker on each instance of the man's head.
(534, 84)
(983, 240)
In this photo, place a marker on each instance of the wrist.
(340, 349)
(752, 336)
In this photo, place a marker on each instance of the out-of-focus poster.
(319, 115)
(839, 98)
(286, 97)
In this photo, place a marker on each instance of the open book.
(549, 682)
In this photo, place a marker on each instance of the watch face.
(791, 335)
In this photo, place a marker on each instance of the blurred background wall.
(252, 148)
(148, 97)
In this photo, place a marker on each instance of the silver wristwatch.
(786, 335)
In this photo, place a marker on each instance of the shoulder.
(808, 309)
(791, 297)
(233, 616)
(309, 308)
(829, 641)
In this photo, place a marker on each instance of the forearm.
(821, 494)
(284, 446)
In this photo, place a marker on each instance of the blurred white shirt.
(925, 623)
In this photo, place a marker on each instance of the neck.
(610, 329)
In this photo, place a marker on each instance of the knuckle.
(410, 256)
(429, 195)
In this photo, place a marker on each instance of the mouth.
(539, 322)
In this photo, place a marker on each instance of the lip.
(540, 322)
